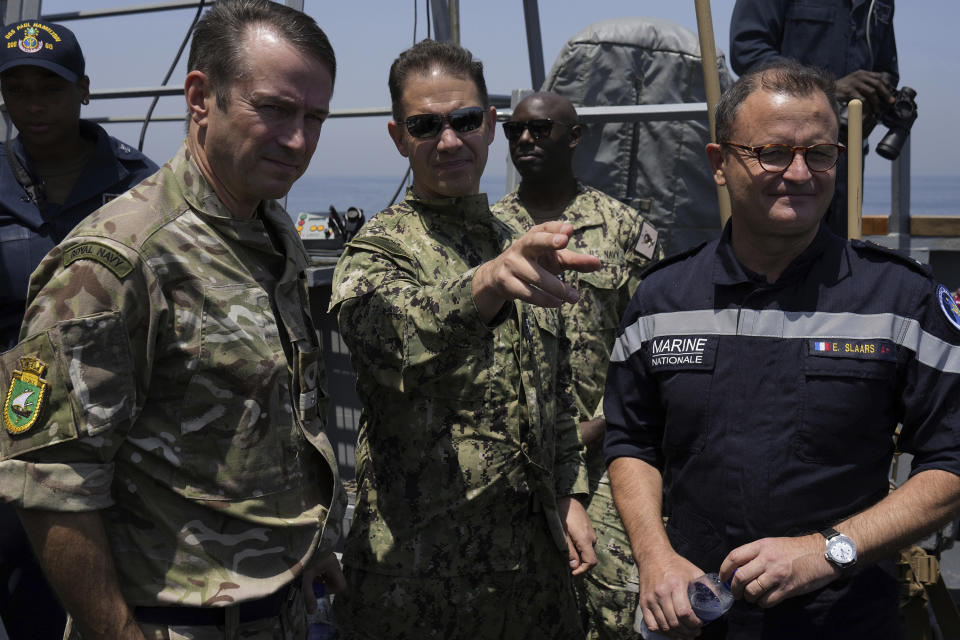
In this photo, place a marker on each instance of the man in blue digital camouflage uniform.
(756, 385)
(52, 175)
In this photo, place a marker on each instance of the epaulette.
(892, 255)
(371, 241)
(683, 255)
(125, 152)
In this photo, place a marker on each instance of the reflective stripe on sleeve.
(771, 323)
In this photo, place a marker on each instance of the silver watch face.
(842, 550)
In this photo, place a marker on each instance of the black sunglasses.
(539, 128)
(428, 125)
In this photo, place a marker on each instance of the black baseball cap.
(42, 44)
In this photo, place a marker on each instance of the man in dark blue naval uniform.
(852, 39)
(52, 175)
(59, 168)
(757, 382)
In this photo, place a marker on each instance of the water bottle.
(709, 597)
(320, 623)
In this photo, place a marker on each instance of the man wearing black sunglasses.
(757, 384)
(543, 135)
(468, 457)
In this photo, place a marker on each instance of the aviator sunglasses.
(428, 125)
(539, 128)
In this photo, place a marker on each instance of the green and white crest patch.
(25, 396)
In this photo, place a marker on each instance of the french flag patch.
(821, 346)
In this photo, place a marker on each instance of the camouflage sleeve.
(397, 328)
(76, 376)
(570, 469)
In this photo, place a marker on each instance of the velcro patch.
(860, 349)
(949, 306)
(683, 353)
(647, 242)
(116, 263)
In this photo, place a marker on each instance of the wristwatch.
(841, 551)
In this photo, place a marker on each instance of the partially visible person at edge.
(56, 171)
(757, 383)
(543, 134)
(163, 438)
(852, 39)
(468, 458)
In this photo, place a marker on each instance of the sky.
(136, 51)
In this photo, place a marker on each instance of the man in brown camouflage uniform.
(543, 134)
(468, 456)
(163, 439)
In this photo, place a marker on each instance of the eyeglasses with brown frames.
(776, 158)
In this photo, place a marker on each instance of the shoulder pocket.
(600, 301)
(808, 24)
(75, 379)
(36, 411)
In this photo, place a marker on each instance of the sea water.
(929, 195)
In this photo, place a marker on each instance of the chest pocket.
(807, 26)
(683, 366)
(237, 428)
(848, 409)
(601, 295)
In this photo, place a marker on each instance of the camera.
(897, 116)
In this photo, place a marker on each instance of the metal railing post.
(441, 20)
(531, 18)
(15, 11)
(900, 198)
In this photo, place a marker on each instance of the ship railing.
(929, 239)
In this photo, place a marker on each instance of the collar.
(467, 212)
(252, 233)
(824, 253)
(572, 213)
(102, 170)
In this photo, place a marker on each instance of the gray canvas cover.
(659, 168)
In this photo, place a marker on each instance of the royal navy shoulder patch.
(98, 252)
(25, 396)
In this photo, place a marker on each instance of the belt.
(250, 610)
